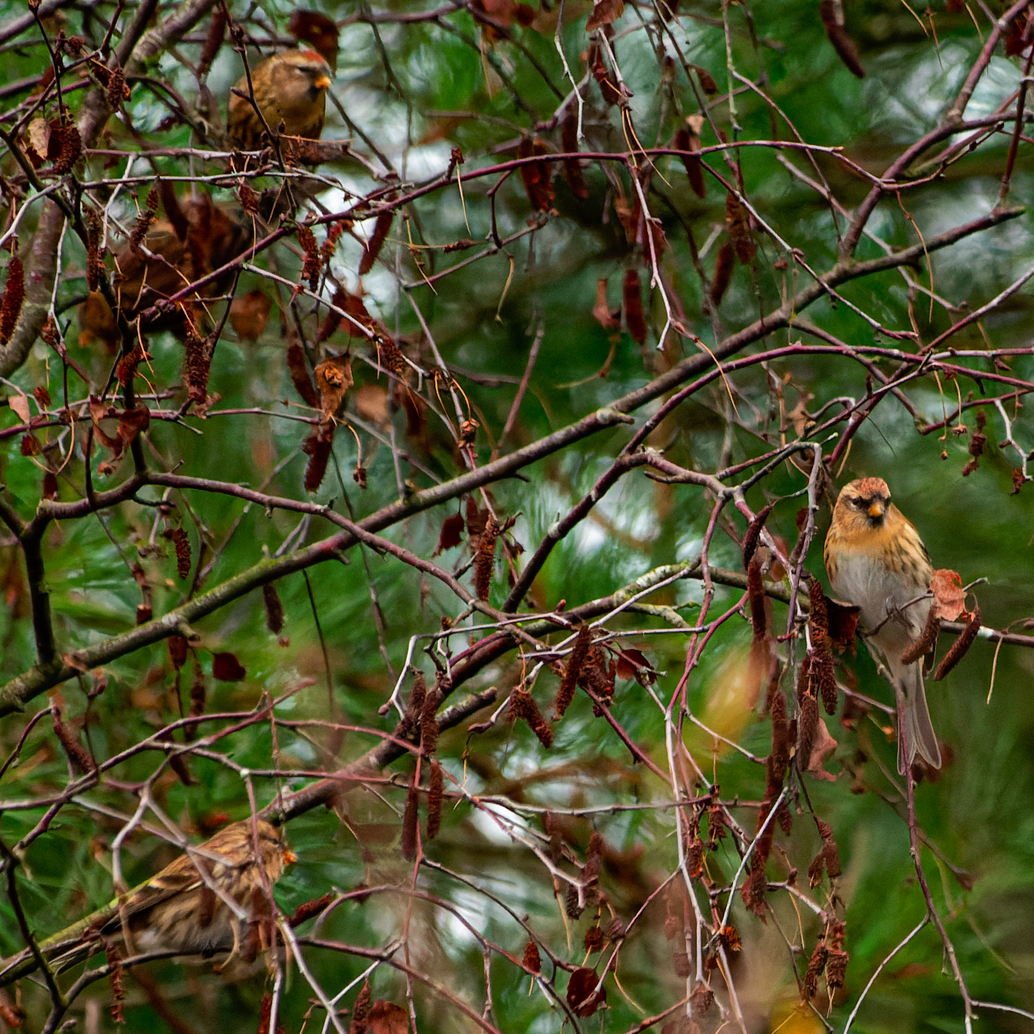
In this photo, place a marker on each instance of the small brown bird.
(186, 908)
(290, 88)
(877, 562)
(197, 238)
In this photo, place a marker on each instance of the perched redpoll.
(290, 88)
(877, 561)
(212, 899)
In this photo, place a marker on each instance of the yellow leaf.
(731, 696)
(794, 1018)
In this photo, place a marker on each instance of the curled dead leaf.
(582, 993)
(601, 310)
(604, 12)
(822, 747)
(949, 600)
(333, 379)
(249, 313)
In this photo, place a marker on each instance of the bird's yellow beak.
(876, 510)
(289, 857)
(322, 83)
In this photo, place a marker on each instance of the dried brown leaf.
(604, 12)
(632, 297)
(333, 379)
(535, 175)
(451, 533)
(388, 1018)
(582, 995)
(226, 668)
(601, 310)
(949, 599)
(249, 314)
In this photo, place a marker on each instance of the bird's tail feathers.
(915, 730)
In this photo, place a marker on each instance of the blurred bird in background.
(196, 238)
